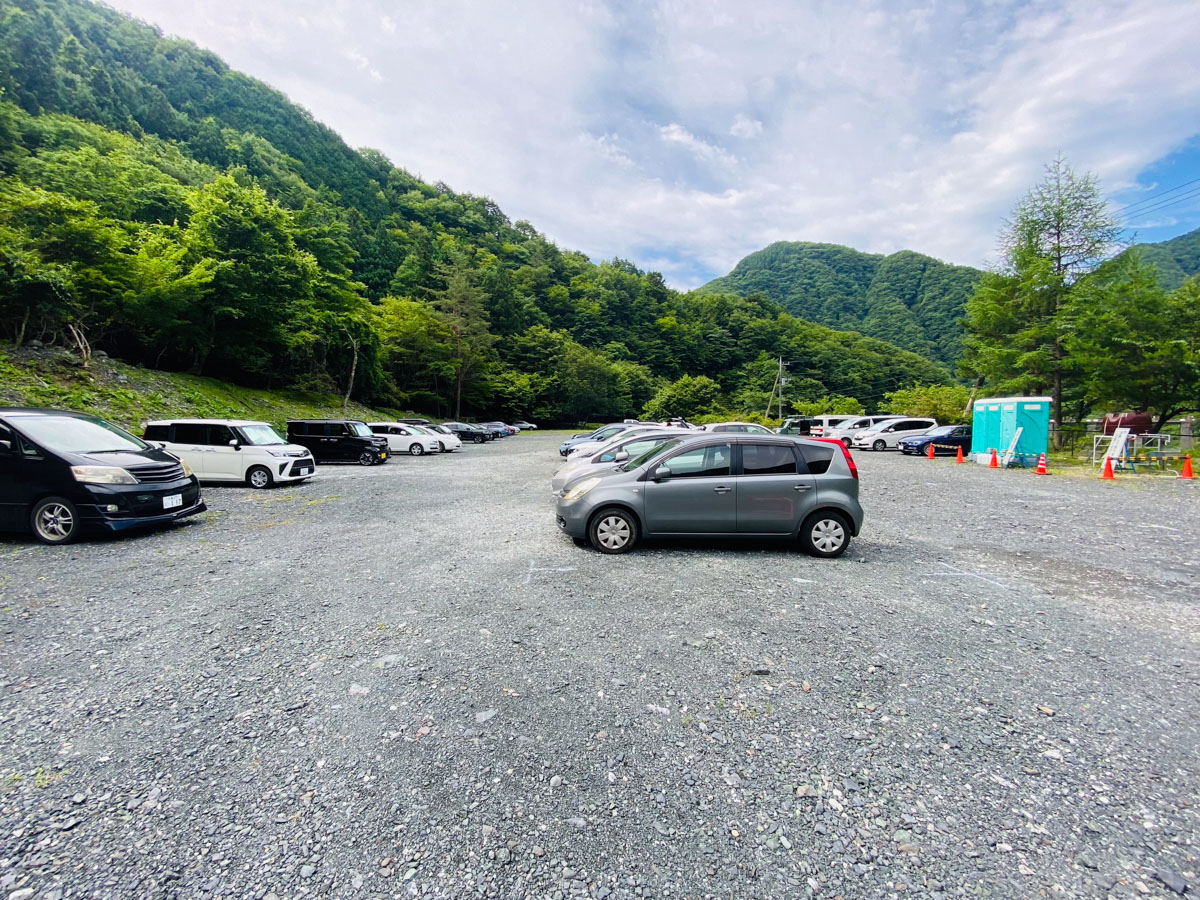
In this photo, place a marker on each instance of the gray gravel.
(404, 681)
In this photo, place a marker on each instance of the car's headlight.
(187, 470)
(580, 489)
(280, 452)
(102, 475)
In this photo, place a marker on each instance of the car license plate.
(172, 501)
(383, 456)
(304, 471)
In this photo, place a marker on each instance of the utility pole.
(780, 381)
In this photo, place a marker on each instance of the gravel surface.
(404, 681)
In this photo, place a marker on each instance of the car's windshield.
(938, 432)
(640, 460)
(361, 429)
(419, 430)
(261, 435)
(71, 435)
(440, 429)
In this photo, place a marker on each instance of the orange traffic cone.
(995, 463)
(1041, 469)
(960, 459)
(1187, 468)
(1107, 474)
(929, 450)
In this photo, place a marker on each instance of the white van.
(821, 425)
(845, 430)
(233, 450)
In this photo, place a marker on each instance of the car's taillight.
(845, 452)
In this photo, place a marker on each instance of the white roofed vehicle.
(404, 438)
(884, 435)
(446, 439)
(233, 450)
(613, 452)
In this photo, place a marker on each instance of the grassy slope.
(129, 396)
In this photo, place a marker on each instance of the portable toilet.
(996, 423)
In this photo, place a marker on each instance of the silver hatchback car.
(720, 485)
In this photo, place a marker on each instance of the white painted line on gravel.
(961, 574)
(533, 567)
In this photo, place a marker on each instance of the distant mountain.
(911, 300)
(1177, 260)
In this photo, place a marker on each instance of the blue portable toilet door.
(1033, 417)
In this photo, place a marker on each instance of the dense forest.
(913, 301)
(1174, 261)
(177, 214)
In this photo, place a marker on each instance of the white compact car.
(884, 435)
(614, 452)
(403, 438)
(233, 450)
(447, 441)
(844, 431)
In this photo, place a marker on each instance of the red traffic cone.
(1107, 474)
(1041, 469)
(929, 450)
(995, 463)
(1187, 468)
(960, 459)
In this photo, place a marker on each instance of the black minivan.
(63, 473)
(338, 440)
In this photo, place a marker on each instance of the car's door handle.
(721, 490)
(802, 487)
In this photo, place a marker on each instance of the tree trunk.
(458, 386)
(353, 371)
(1056, 396)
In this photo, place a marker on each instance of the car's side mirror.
(235, 445)
(621, 456)
(662, 473)
(5, 446)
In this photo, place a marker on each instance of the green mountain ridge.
(1176, 260)
(908, 299)
(158, 205)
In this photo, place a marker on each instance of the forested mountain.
(910, 300)
(1175, 260)
(178, 214)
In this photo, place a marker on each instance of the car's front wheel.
(479, 439)
(54, 521)
(415, 449)
(259, 477)
(879, 445)
(441, 447)
(826, 534)
(613, 531)
(366, 458)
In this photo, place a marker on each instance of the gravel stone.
(177, 704)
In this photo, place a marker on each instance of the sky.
(684, 134)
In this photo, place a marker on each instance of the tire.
(825, 534)
(847, 443)
(259, 477)
(367, 458)
(613, 530)
(479, 439)
(54, 520)
(441, 447)
(415, 450)
(879, 445)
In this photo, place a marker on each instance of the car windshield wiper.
(117, 450)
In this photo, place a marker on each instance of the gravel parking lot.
(404, 681)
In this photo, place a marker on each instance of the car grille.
(158, 474)
(302, 464)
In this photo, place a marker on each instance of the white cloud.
(605, 124)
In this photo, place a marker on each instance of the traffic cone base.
(960, 459)
(1107, 474)
(1187, 469)
(1041, 468)
(995, 463)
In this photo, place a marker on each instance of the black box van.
(64, 473)
(338, 440)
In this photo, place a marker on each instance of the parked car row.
(659, 481)
(63, 473)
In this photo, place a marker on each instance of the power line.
(1159, 194)
(1163, 204)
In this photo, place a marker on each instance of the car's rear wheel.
(879, 445)
(259, 477)
(479, 439)
(416, 450)
(613, 531)
(366, 458)
(825, 533)
(54, 521)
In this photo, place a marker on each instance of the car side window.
(337, 429)
(701, 462)
(817, 458)
(768, 459)
(220, 435)
(152, 433)
(187, 433)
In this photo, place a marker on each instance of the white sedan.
(403, 438)
(447, 441)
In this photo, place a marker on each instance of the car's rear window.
(768, 459)
(817, 458)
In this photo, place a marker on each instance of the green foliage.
(686, 397)
(1174, 261)
(945, 402)
(907, 299)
